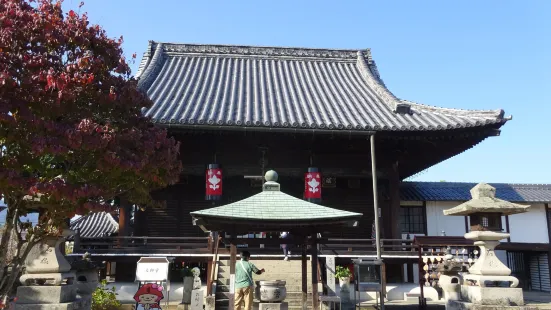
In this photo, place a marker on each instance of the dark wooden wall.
(345, 158)
(181, 199)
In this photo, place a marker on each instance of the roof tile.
(239, 86)
(454, 191)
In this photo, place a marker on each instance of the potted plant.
(187, 274)
(343, 274)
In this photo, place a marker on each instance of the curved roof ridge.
(258, 50)
(497, 113)
(375, 82)
(152, 65)
(145, 60)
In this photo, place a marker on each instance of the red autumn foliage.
(72, 134)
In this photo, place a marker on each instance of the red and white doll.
(148, 297)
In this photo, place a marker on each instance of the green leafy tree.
(72, 135)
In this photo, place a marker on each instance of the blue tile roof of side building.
(457, 191)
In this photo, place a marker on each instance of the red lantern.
(213, 181)
(312, 185)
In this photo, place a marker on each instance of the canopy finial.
(271, 176)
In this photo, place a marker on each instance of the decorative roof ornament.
(484, 201)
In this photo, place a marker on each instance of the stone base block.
(493, 296)
(183, 306)
(273, 306)
(210, 301)
(196, 300)
(46, 294)
(79, 304)
(461, 305)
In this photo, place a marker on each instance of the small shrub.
(342, 272)
(104, 298)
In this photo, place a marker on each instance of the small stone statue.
(196, 280)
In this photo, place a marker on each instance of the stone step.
(293, 304)
(289, 281)
(266, 264)
(280, 268)
(290, 288)
(290, 295)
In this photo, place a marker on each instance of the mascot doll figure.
(149, 296)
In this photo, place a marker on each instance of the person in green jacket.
(244, 285)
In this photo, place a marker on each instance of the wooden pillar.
(124, 221)
(394, 194)
(233, 259)
(314, 249)
(548, 214)
(304, 277)
(76, 241)
(210, 270)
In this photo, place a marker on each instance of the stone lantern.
(489, 281)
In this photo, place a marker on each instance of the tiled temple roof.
(454, 191)
(291, 88)
(95, 225)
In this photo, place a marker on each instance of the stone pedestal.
(197, 300)
(273, 306)
(48, 283)
(46, 294)
(82, 303)
(497, 296)
(210, 302)
(461, 305)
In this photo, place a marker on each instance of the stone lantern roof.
(484, 201)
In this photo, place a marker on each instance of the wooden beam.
(314, 263)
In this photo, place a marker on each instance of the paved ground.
(538, 299)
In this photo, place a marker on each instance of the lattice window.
(412, 220)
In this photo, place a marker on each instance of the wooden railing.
(205, 245)
(365, 246)
(117, 245)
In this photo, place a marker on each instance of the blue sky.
(458, 54)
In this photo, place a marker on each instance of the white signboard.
(152, 269)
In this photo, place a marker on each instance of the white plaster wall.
(530, 227)
(438, 222)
